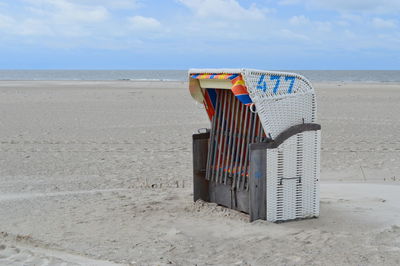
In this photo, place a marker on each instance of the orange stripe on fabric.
(222, 76)
(238, 86)
(239, 89)
(204, 76)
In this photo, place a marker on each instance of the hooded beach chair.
(261, 154)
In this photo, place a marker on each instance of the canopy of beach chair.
(281, 99)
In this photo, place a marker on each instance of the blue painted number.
(278, 81)
(262, 85)
(291, 83)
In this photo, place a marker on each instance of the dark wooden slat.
(211, 143)
(221, 194)
(224, 136)
(257, 185)
(200, 151)
(234, 142)
(244, 144)
(238, 146)
(231, 136)
(216, 132)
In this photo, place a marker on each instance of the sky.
(181, 34)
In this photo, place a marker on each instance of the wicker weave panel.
(282, 99)
(292, 178)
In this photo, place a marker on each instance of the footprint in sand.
(33, 256)
(11, 255)
(389, 238)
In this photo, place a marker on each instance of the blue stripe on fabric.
(212, 76)
(213, 96)
(244, 98)
(233, 76)
(195, 75)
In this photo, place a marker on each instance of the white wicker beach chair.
(277, 179)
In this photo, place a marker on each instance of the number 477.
(262, 84)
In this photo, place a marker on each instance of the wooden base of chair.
(251, 200)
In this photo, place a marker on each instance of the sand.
(99, 173)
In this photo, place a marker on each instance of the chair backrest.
(282, 99)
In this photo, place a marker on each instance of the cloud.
(68, 11)
(288, 2)
(6, 21)
(324, 26)
(56, 18)
(113, 4)
(299, 20)
(226, 9)
(183, 26)
(26, 26)
(363, 6)
(289, 34)
(306, 23)
(34, 27)
(380, 23)
(144, 23)
(216, 22)
(70, 24)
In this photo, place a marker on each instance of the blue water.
(181, 75)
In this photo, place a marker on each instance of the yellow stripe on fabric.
(222, 76)
(217, 76)
(239, 82)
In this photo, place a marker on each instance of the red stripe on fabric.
(208, 105)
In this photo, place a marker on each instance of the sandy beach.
(100, 173)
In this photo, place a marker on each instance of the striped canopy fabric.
(238, 89)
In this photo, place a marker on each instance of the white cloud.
(113, 4)
(366, 6)
(78, 23)
(62, 18)
(352, 18)
(349, 34)
(226, 9)
(205, 24)
(299, 20)
(6, 21)
(33, 27)
(144, 23)
(342, 23)
(26, 26)
(305, 23)
(323, 26)
(221, 21)
(288, 2)
(289, 34)
(68, 11)
(380, 23)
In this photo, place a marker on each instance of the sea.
(181, 75)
